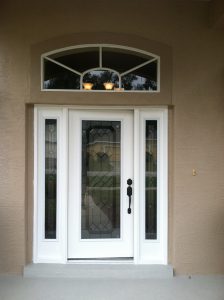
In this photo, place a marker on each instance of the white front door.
(100, 223)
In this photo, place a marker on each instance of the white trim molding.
(155, 251)
(52, 55)
(50, 250)
(150, 251)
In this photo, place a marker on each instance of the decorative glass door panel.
(100, 162)
(151, 179)
(101, 143)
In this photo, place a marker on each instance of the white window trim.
(50, 250)
(100, 47)
(158, 249)
(55, 251)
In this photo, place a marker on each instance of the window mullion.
(138, 66)
(100, 57)
(63, 66)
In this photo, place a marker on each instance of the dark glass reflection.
(99, 77)
(79, 59)
(144, 78)
(100, 179)
(50, 178)
(57, 77)
(122, 60)
(151, 180)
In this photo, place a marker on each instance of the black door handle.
(129, 194)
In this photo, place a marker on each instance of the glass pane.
(100, 179)
(144, 78)
(151, 180)
(79, 59)
(122, 60)
(99, 77)
(56, 77)
(50, 178)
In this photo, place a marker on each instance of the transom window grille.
(100, 68)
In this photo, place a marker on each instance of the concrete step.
(98, 271)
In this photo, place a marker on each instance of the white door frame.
(55, 251)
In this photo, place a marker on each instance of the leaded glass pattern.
(50, 178)
(151, 180)
(100, 180)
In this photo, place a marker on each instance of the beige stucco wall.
(216, 15)
(193, 53)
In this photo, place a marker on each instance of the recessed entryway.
(100, 184)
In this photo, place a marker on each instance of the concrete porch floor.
(183, 288)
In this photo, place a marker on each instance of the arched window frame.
(153, 56)
(99, 69)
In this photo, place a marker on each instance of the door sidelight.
(129, 194)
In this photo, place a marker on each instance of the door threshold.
(101, 260)
(97, 271)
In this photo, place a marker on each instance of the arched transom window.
(100, 68)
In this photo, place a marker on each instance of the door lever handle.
(129, 194)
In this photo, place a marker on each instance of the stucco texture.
(192, 85)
